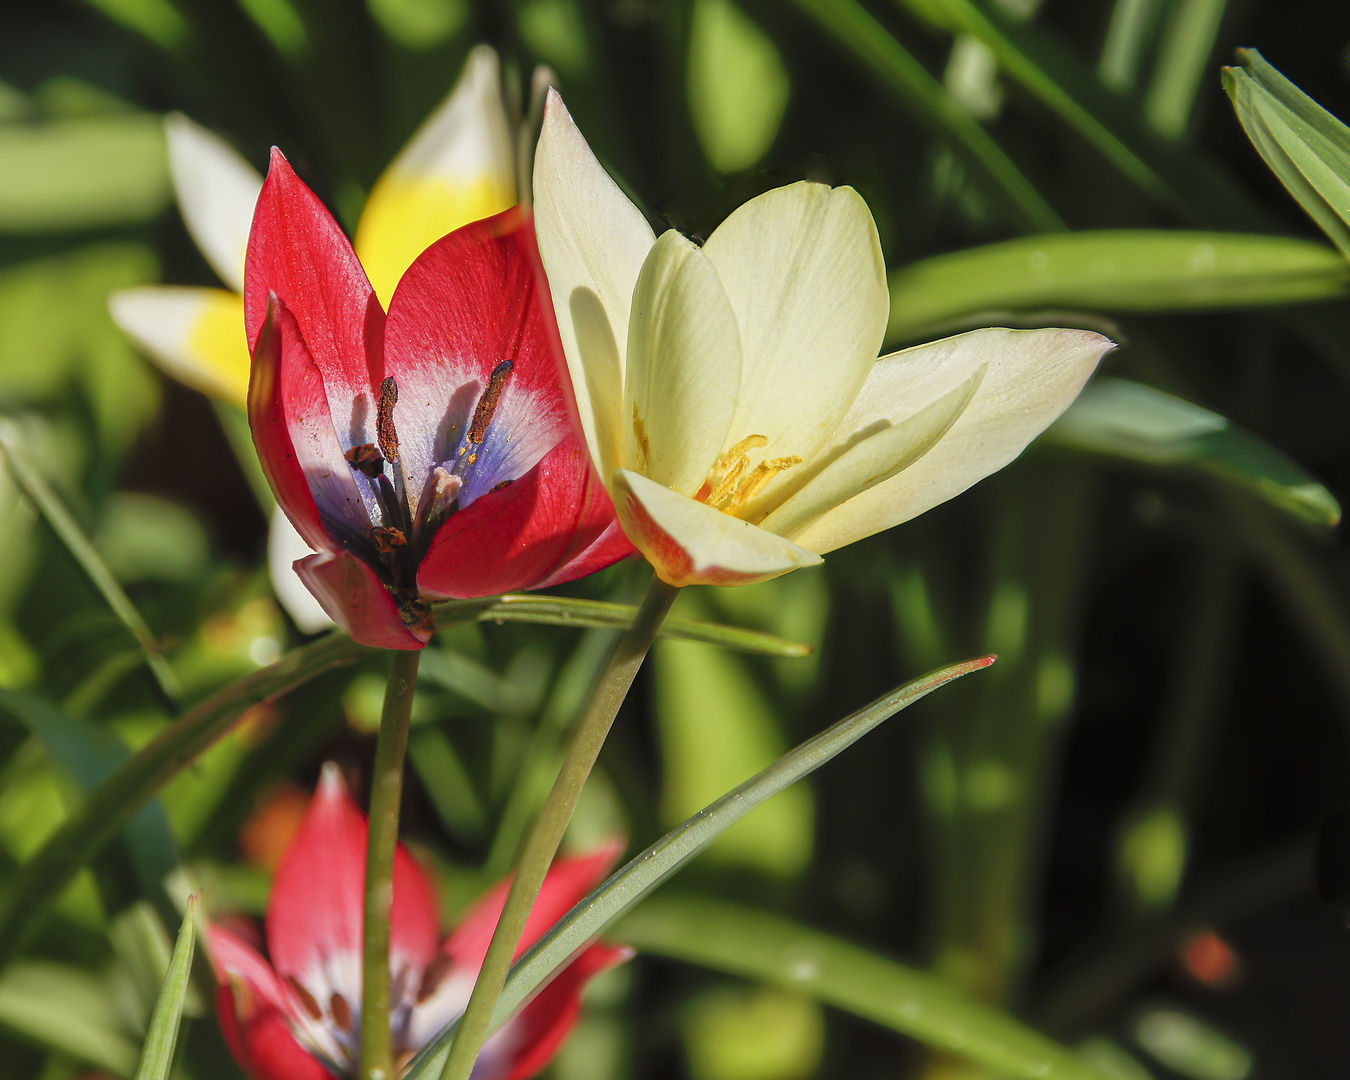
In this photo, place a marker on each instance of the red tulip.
(428, 455)
(298, 1017)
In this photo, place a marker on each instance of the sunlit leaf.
(1129, 420)
(67, 1009)
(555, 31)
(157, 20)
(1115, 270)
(738, 86)
(760, 945)
(759, 1033)
(1183, 61)
(81, 173)
(1191, 1048)
(632, 882)
(1304, 145)
(162, 1036)
(419, 24)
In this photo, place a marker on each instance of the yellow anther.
(728, 484)
(731, 462)
(758, 480)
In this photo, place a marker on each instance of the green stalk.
(544, 837)
(386, 789)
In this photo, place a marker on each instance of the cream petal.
(460, 166)
(217, 190)
(684, 367)
(802, 265)
(690, 543)
(875, 452)
(285, 547)
(1031, 377)
(195, 335)
(593, 242)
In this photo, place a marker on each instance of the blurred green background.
(1112, 833)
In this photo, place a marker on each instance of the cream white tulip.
(731, 395)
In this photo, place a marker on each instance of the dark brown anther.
(433, 975)
(306, 998)
(487, 404)
(365, 459)
(501, 484)
(384, 420)
(340, 1011)
(386, 539)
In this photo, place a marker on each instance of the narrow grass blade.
(1110, 270)
(886, 59)
(1139, 423)
(602, 615)
(162, 1036)
(1304, 145)
(632, 882)
(68, 530)
(1183, 60)
(30, 892)
(765, 947)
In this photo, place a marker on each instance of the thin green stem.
(544, 837)
(386, 789)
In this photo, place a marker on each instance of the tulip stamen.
(728, 484)
(340, 1011)
(366, 459)
(310, 1003)
(487, 403)
(757, 481)
(733, 461)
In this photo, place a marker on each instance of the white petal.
(874, 452)
(195, 335)
(285, 547)
(1032, 377)
(684, 367)
(802, 265)
(690, 543)
(217, 190)
(459, 166)
(593, 242)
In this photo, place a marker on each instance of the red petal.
(271, 432)
(352, 596)
(316, 906)
(297, 251)
(251, 1006)
(567, 882)
(545, 1022)
(540, 530)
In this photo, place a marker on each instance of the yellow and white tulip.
(731, 395)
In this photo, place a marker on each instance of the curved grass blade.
(1139, 423)
(851, 25)
(1110, 270)
(162, 1037)
(603, 615)
(632, 882)
(68, 530)
(762, 946)
(29, 894)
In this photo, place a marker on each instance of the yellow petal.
(216, 190)
(1030, 377)
(690, 543)
(460, 166)
(802, 265)
(684, 367)
(194, 335)
(593, 242)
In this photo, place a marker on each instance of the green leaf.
(1139, 423)
(67, 1009)
(82, 173)
(1110, 270)
(1304, 145)
(623, 889)
(602, 615)
(68, 530)
(162, 1037)
(1183, 60)
(716, 729)
(887, 61)
(762, 946)
(738, 86)
(29, 893)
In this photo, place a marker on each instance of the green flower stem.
(541, 843)
(386, 789)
